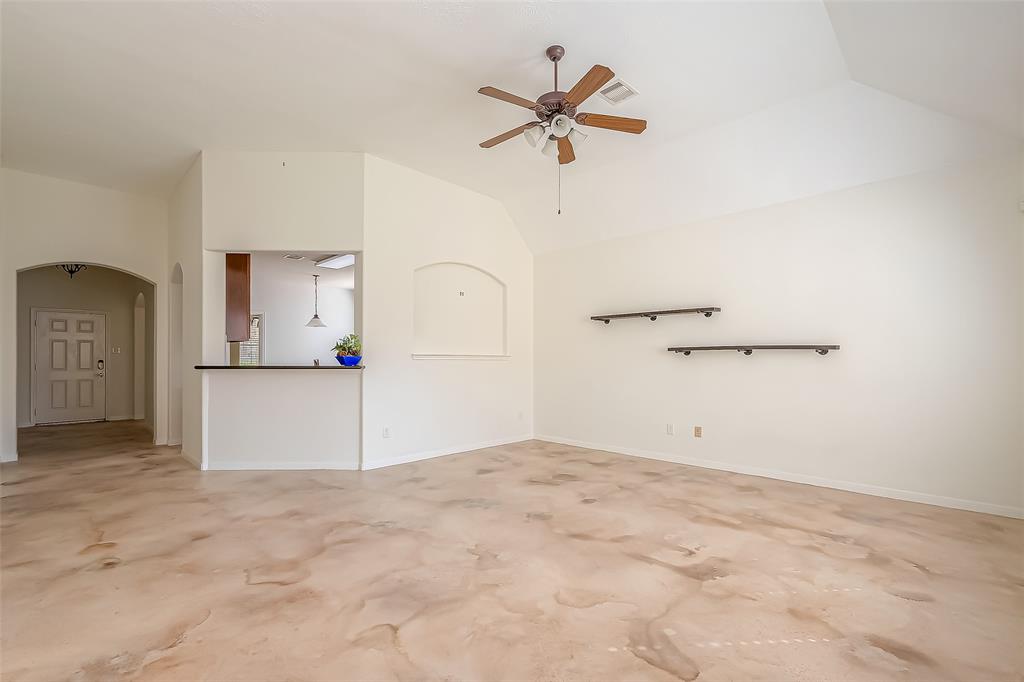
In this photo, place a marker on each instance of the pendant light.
(315, 321)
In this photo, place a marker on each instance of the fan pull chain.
(559, 189)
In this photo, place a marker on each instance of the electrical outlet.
(670, 430)
(698, 431)
(386, 433)
(521, 416)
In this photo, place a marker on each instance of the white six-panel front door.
(69, 367)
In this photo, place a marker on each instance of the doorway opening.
(85, 346)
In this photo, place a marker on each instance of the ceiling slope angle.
(753, 101)
(124, 94)
(840, 137)
(965, 59)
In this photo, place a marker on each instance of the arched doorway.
(176, 304)
(84, 349)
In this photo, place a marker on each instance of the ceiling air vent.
(618, 91)
(293, 256)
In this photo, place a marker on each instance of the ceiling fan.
(556, 111)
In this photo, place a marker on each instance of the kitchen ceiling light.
(336, 262)
(315, 321)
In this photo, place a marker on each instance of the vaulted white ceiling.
(749, 104)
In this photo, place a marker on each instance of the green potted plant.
(349, 350)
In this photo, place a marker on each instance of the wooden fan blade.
(508, 135)
(588, 85)
(623, 125)
(507, 97)
(565, 152)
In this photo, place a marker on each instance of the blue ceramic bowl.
(349, 360)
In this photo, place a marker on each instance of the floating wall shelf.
(819, 348)
(655, 314)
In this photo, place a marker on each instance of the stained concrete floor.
(524, 562)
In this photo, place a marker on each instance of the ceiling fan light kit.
(557, 113)
(550, 147)
(534, 135)
(561, 125)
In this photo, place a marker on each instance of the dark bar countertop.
(327, 367)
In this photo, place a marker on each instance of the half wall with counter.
(282, 416)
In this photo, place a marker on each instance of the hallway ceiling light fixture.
(315, 321)
(72, 268)
(558, 118)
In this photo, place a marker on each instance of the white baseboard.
(864, 488)
(8, 457)
(282, 466)
(119, 419)
(444, 452)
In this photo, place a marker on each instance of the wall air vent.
(617, 92)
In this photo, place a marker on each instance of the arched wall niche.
(459, 310)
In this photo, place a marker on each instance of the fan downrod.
(551, 103)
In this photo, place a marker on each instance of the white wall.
(266, 201)
(283, 291)
(141, 365)
(438, 406)
(283, 419)
(97, 290)
(919, 280)
(45, 220)
(185, 248)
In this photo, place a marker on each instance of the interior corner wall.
(918, 278)
(45, 220)
(185, 248)
(438, 406)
